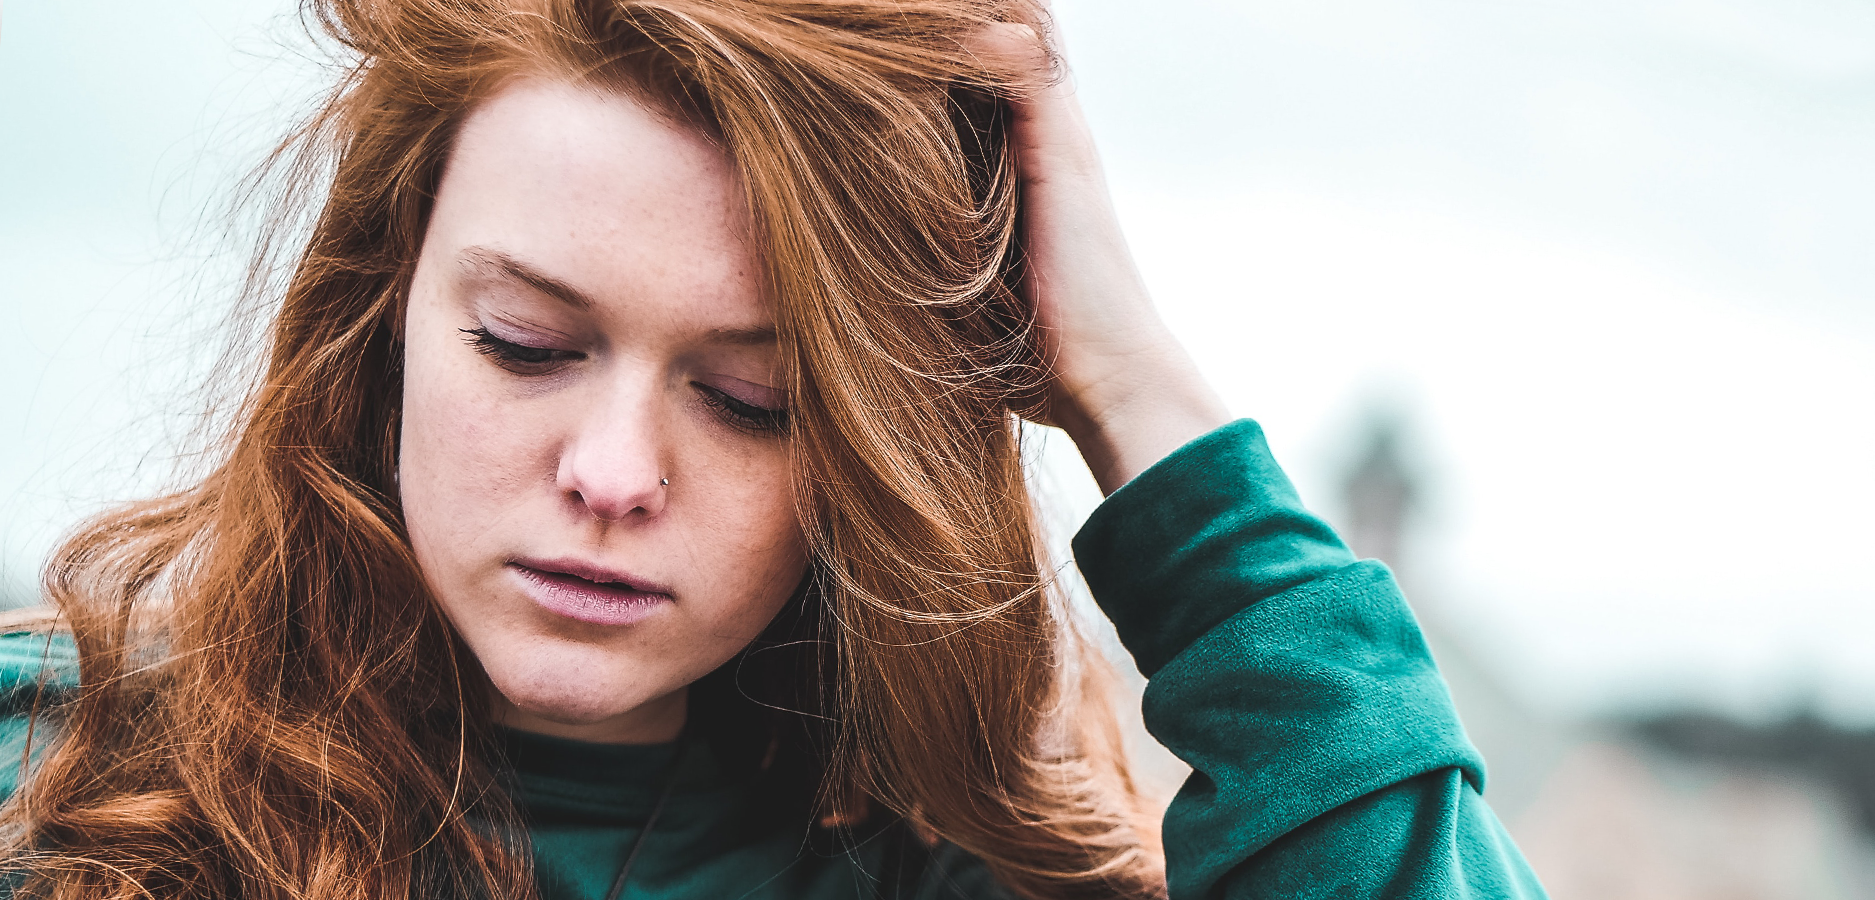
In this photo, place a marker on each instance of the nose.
(613, 465)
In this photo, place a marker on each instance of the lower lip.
(587, 601)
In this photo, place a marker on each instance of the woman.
(632, 506)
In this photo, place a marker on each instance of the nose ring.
(665, 482)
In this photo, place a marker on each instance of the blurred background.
(1565, 310)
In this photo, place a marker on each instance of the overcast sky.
(1611, 258)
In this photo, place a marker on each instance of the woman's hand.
(1122, 386)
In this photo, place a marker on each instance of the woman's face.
(586, 322)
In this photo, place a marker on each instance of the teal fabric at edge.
(1327, 758)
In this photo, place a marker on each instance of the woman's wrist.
(1139, 413)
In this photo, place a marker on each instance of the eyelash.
(514, 357)
(525, 360)
(747, 416)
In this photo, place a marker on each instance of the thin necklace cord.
(664, 796)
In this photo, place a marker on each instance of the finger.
(1047, 127)
(1016, 47)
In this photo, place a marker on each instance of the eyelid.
(527, 336)
(744, 416)
(752, 393)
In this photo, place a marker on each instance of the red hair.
(271, 705)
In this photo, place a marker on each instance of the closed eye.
(741, 414)
(518, 358)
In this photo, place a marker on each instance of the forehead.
(601, 194)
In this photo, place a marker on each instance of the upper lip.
(579, 568)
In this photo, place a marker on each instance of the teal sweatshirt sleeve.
(38, 670)
(1327, 759)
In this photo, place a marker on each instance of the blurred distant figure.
(1380, 493)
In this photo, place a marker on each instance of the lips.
(588, 593)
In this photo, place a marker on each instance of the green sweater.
(1327, 758)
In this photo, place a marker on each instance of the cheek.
(750, 538)
(461, 464)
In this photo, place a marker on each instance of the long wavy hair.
(271, 705)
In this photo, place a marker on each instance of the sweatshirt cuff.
(1209, 530)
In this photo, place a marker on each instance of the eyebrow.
(742, 337)
(505, 265)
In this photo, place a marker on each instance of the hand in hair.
(1122, 386)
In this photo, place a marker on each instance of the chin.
(571, 691)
